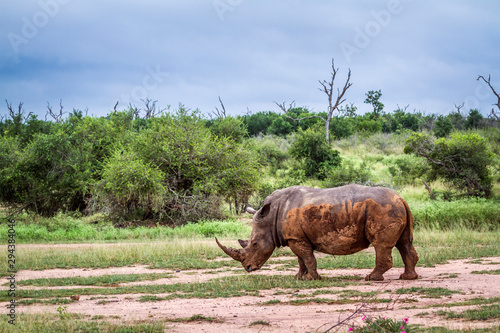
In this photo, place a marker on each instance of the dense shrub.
(442, 126)
(129, 189)
(52, 173)
(347, 173)
(463, 160)
(314, 153)
(195, 163)
(270, 151)
(406, 169)
(229, 127)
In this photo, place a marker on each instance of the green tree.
(372, 97)
(442, 126)
(315, 155)
(474, 120)
(463, 160)
(230, 127)
(130, 189)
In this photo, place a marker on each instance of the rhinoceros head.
(256, 250)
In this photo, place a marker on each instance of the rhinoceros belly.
(333, 229)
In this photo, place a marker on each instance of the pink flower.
(405, 320)
(383, 318)
(403, 332)
(363, 318)
(402, 328)
(350, 329)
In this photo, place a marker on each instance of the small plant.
(260, 322)
(63, 314)
(384, 325)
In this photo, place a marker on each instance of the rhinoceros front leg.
(383, 262)
(307, 262)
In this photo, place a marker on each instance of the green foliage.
(230, 127)
(128, 183)
(372, 97)
(314, 153)
(259, 122)
(442, 126)
(347, 173)
(368, 125)
(199, 169)
(474, 120)
(50, 174)
(281, 126)
(384, 325)
(342, 127)
(463, 160)
(470, 214)
(270, 151)
(406, 169)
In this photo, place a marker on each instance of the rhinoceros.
(338, 221)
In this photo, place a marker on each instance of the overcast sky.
(91, 54)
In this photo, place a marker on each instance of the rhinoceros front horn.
(233, 253)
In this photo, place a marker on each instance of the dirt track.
(237, 313)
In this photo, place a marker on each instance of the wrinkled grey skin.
(337, 221)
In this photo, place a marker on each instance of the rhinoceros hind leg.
(383, 262)
(307, 261)
(410, 258)
(302, 269)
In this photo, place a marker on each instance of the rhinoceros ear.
(265, 210)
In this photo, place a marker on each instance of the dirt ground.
(238, 313)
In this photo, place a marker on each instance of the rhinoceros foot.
(409, 276)
(374, 277)
(308, 276)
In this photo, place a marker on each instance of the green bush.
(314, 154)
(230, 127)
(347, 173)
(463, 160)
(442, 126)
(406, 169)
(130, 188)
(270, 151)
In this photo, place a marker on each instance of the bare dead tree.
(488, 82)
(220, 114)
(333, 103)
(18, 116)
(459, 107)
(327, 88)
(151, 110)
(56, 116)
(135, 110)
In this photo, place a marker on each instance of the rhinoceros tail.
(408, 231)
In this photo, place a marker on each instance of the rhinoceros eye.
(254, 244)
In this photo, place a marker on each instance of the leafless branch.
(291, 106)
(494, 114)
(116, 105)
(459, 107)
(220, 114)
(151, 109)
(56, 116)
(327, 88)
(18, 116)
(488, 82)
